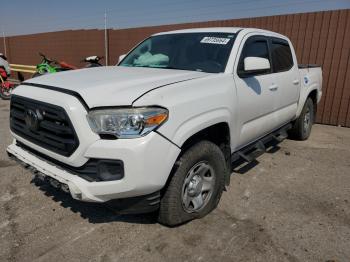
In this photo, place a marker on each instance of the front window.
(203, 52)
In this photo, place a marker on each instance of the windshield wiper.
(165, 67)
(173, 67)
(140, 66)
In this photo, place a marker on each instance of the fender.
(202, 107)
(196, 124)
(311, 80)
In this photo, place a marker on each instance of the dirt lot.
(294, 205)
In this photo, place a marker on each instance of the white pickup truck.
(159, 131)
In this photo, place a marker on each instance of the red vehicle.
(6, 87)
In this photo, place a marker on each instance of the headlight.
(127, 122)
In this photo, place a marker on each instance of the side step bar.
(257, 148)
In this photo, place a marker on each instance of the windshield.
(204, 52)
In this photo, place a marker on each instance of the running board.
(257, 148)
(282, 135)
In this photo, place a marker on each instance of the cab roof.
(233, 30)
(204, 30)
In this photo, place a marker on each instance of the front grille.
(43, 124)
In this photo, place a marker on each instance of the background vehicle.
(172, 117)
(6, 87)
(93, 61)
(48, 65)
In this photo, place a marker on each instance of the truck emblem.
(31, 119)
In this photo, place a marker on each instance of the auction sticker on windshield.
(215, 40)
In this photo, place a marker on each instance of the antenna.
(106, 39)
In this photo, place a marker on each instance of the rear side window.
(254, 47)
(282, 59)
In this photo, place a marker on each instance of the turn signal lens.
(156, 120)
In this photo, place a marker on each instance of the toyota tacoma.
(160, 131)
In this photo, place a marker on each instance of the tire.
(302, 126)
(176, 206)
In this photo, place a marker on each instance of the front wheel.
(302, 126)
(196, 186)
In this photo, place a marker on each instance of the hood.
(114, 85)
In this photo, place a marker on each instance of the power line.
(155, 16)
(128, 14)
(230, 3)
(121, 13)
(226, 11)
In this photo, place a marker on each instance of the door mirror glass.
(256, 65)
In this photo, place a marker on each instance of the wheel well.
(313, 96)
(218, 134)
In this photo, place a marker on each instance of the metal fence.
(319, 38)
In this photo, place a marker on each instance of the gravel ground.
(291, 205)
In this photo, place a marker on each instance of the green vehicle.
(48, 66)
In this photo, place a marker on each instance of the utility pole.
(4, 39)
(106, 39)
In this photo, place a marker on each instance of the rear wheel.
(302, 127)
(196, 186)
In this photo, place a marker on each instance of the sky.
(27, 17)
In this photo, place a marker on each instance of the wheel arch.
(218, 133)
(313, 94)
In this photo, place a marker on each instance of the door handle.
(273, 87)
(296, 82)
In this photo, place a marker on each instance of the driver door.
(255, 91)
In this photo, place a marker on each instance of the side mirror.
(255, 65)
(121, 57)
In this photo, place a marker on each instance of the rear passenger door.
(286, 77)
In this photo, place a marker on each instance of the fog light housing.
(110, 170)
